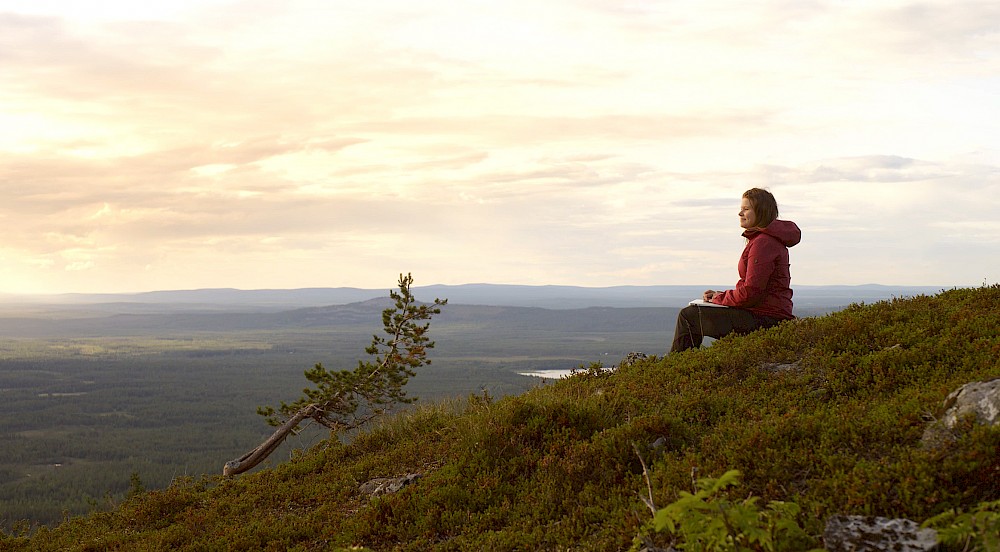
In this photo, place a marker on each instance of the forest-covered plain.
(93, 407)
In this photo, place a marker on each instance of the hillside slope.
(837, 429)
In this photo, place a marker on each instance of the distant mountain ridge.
(547, 296)
(360, 315)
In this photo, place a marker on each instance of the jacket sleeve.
(762, 256)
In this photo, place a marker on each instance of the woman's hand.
(708, 295)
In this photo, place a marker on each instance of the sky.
(324, 143)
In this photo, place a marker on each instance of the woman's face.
(747, 215)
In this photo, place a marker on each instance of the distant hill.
(363, 315)
(552, 297)
(563, 307)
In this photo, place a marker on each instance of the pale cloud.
(258, 144)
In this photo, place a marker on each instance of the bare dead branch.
(649, 486)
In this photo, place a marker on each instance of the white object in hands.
(704, 303)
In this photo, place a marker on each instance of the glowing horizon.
(326, 144)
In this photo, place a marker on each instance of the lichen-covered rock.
(778, 367)
(387, 485)
(979, 400)
(876, 534)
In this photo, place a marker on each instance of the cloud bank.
(252, 145)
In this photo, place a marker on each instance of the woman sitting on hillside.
(762, 297)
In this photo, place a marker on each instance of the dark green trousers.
(694, 323)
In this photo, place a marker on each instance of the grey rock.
(979, 400)
(775, 367)
(876, 534)
(387, 485)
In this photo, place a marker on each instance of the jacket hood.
(786, 231)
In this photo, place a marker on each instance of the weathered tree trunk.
(257, 455)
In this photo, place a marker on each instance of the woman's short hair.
(765, 207)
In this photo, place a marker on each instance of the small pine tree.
(376, 385)
(135, 485)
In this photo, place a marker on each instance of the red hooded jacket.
(764, 286)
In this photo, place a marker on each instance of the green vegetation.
(172, 396)
(820, 416)
(978, 529)
(707, 520)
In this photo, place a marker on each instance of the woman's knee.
(689, 313)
